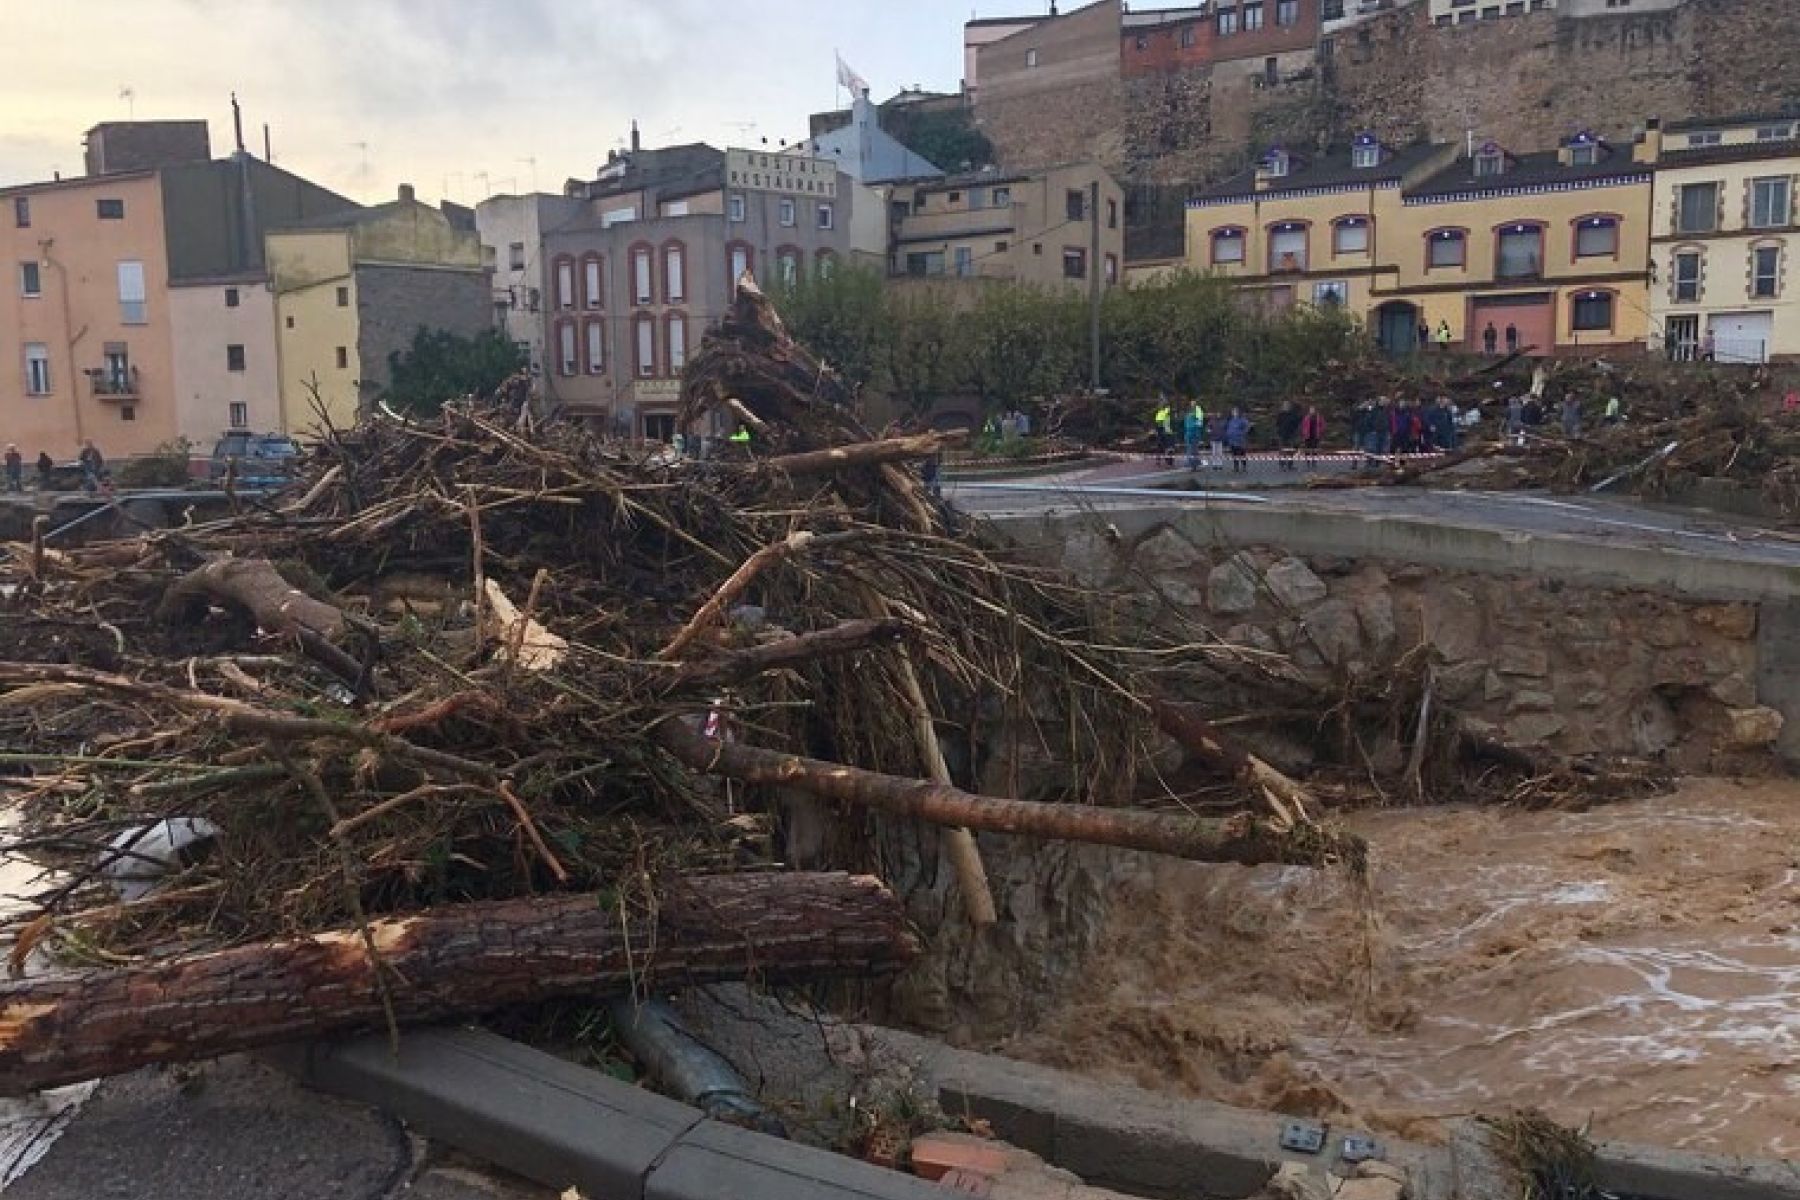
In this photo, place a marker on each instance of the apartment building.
(1268, 33)
(651, 260)
(1030, 227)
(1549, 251)
(136, 309)
(1468, 12)
(1724, 239)
(984, 31)
(351, 289)
(512, 230)
(1303, 228)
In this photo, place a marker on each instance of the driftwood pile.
(485, 710)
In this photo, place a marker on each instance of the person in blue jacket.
(1193, 434)
(1237, 438)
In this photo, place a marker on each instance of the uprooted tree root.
(1550, 1161)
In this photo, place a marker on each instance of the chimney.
(636, 143)
(1649, 147)
(406, 193)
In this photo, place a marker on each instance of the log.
(445, 963)
(863, 454)
(1291, 803)
(254, 585)
(1239, 839)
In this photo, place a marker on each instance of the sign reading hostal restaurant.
(793, 174)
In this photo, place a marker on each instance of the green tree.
(440, 366)
(840, 315)
(1024, 342)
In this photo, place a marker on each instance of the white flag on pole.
(849, 79)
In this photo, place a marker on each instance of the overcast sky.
(443, 91)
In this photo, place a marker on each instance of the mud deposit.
(1638, 965)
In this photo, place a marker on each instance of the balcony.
(115, 385)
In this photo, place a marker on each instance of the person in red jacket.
(1312, 433)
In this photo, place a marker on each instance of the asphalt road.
(1591, 517)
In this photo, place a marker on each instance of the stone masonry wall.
(1531, 662)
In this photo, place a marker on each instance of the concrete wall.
(205, 385)
(78, 314)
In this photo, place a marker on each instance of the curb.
(561, 1125)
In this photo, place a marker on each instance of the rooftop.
(1542, 169)
(673, 170)
(1334, 168)
(1686, 125)
(1701, 156)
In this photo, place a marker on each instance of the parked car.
(263, 459)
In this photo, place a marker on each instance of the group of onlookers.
(94, 476)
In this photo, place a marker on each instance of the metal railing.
(113, 384)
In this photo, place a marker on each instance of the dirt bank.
(1638, 965)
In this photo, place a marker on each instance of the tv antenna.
(128, 94)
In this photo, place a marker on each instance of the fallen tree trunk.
(448, 962)
(1239, 839)
(254, 585)
(1291, 803)
(862, 454)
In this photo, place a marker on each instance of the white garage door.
(1742, 337)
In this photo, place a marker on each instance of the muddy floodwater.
(1637, 966)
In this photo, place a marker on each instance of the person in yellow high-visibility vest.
(1165, 428)
(742, 436)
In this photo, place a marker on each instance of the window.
(618, 216)
(965, 261)
(1074, 205)
(234, 358)
(645, 327)
(826, 264)
(231, 298)
(675, 273)
(131, 294)
(515, 256)
(643, 282)
(565, 348)
(1112, 214)
(1350, 236)
(1769, 203)
(1271, 71)
(565, 283)
(1774, 133)
(593, 282)
(787, 265)
(1447, 248)
(1002, 197)
(1228, 22)
(1365, 155)
(787, 217)
(110, 210)
(37, 369)
(1593, 312)
(1276, 165)
(31, 281)
(596, 347)
(1585, 155)
(1698, 208)
(1227, 246)
(1287, 248)
(953, 199)
(115, 371)
(239, 414)
(922, 263)
(290, 322)
(1597, 237)
(1332, 10)
(742, 261)
(1687, 277)
(1253, 16)
(22, 211)
(1708, 138)
(675, 208)
(1287, 12)
(343, 297)
(1490, 162)
(127, 412)
(736, 207)
(343, 358)
(1333, 294)
(1112, 270)
(1520, 252)
(1143, 43)
(1031, 58)
(827, 218)
(1765, 272)
(1074, 264)
(677, 343)
(1188, 35)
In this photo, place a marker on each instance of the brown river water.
(1636, 966)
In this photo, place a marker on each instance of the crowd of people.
(94, 475)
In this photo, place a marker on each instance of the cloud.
(446, 88)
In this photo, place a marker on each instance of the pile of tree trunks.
(487, 710)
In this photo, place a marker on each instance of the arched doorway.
(1397, 327)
